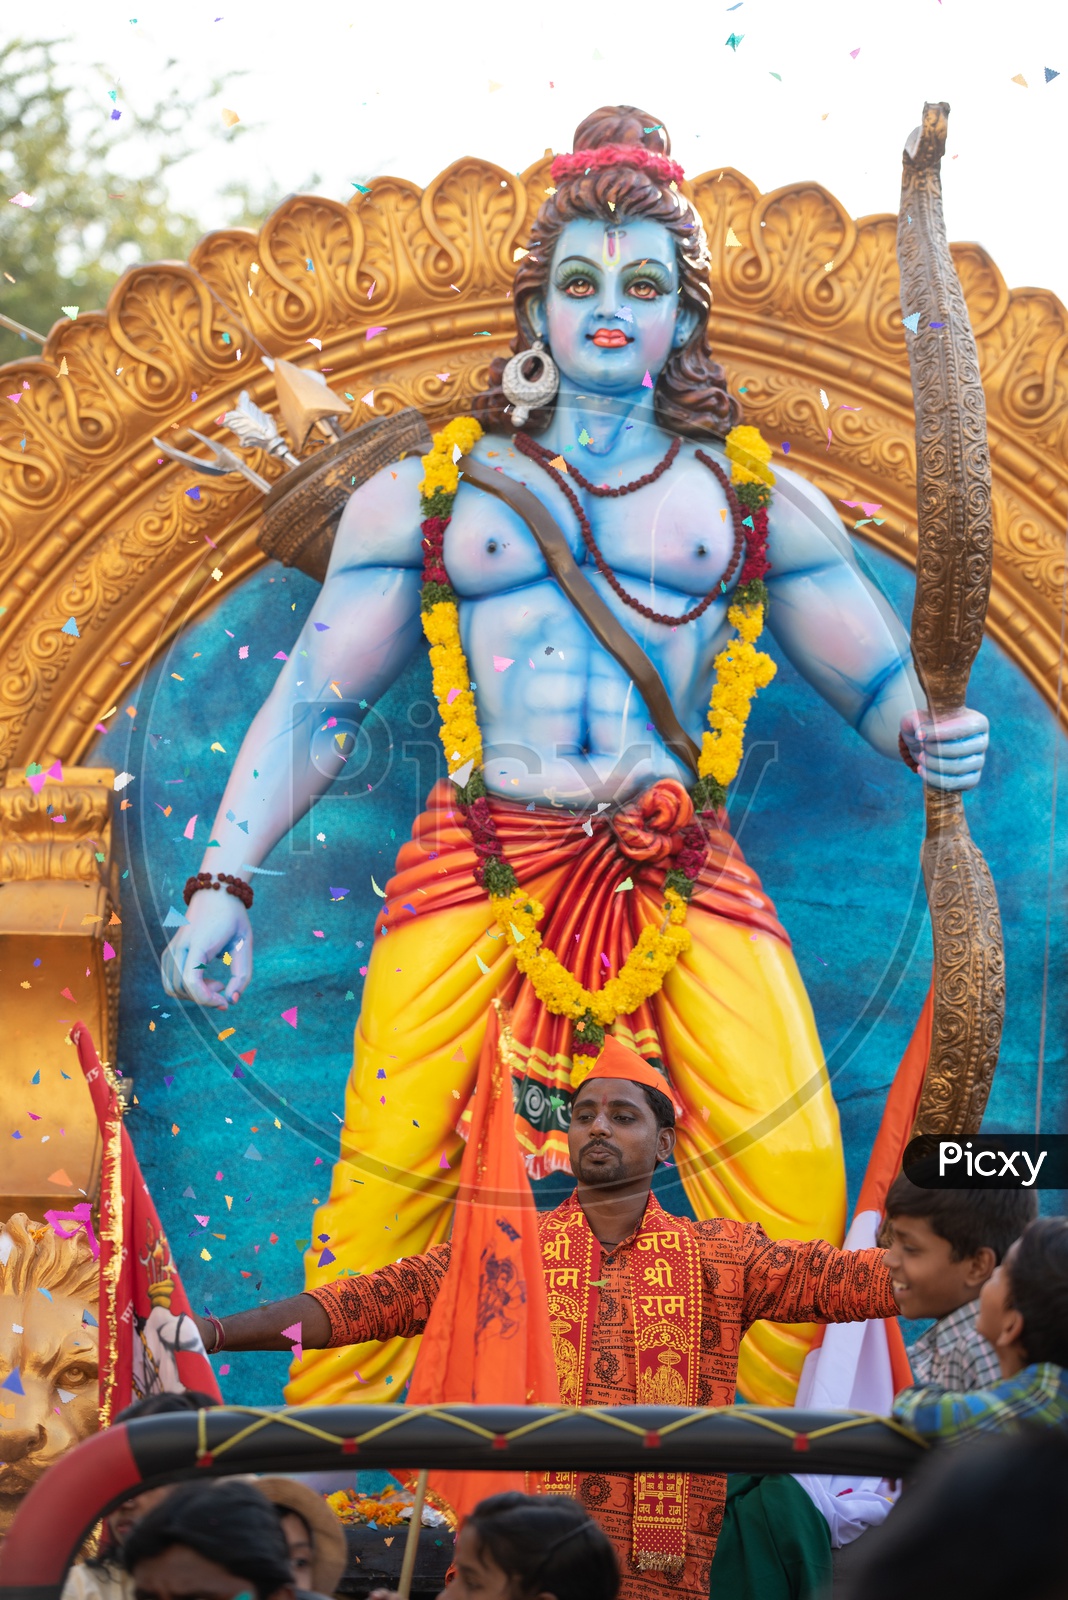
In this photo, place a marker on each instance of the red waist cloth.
(575, 865)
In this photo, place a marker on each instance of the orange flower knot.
(652, 828)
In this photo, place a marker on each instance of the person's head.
(314, 1537)
(618, 249)
(532, 1547)
(129, 1513)
(622, 1124)
(943, 1244)
(209, 1541)
(987, 1520)
(1023, 1308)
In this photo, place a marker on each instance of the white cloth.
(850, 1371)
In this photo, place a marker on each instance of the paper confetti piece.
(13, 1384)
(502, 663)
(371, 333)
(381, 893)
(109, 951)
(22, 199)
(444, 1162)
(230, 118)
(1051, 73)
(734, 40)
(732, 241)
(855, 53)
(71, 627)
(1020, 79)
(190, 826)
(122, 780)
(175, 919)
(628, 883)
(462, 774)
(482, 967)
(912, 321)
(60, 1176)
(251, 1154)
(290, 1016)
(647, 382)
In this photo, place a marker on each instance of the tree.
(100, 200)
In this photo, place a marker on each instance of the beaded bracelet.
(235, 886)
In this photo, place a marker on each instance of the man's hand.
(215, 920)
(950, 753)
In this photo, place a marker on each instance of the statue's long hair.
(691, 395)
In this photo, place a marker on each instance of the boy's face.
(927, 1281)
(999, 1321)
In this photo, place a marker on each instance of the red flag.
(148, 1340)
(487, 1340)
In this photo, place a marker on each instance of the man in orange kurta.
(644, 1308)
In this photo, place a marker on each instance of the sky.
(345, 92)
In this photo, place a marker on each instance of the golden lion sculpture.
(48, 1353)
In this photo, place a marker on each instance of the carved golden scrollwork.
(93, 525)
(61, 949)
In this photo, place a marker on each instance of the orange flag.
(487, 1340)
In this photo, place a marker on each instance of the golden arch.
(93, 526)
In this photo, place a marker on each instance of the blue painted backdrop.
(833, 828)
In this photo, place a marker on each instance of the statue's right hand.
(215, 920)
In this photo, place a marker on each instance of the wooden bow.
(953, 570)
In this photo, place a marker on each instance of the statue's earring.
(528, 393)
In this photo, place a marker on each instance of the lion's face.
(42, 1338)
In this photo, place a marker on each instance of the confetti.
(1020, 79)
(70, 311)
(71, 627)
(22, 199)
(502, 663)
(290, 1016)
(1051, 73)
(734, 40)
(732, 241)
(230, 118)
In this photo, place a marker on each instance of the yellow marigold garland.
(740, 670)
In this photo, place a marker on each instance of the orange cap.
(616, 1060)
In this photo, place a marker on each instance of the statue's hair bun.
(622, 125)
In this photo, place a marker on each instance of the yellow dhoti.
(759, 1139)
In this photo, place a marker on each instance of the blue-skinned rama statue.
(590, 802)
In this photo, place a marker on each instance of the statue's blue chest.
(676, 534)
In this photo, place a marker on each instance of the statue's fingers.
(240, 971)
(951, 766)
(950, 748)
(204, 991)
(950, 782)
(171, 965)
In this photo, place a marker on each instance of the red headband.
(617, 155)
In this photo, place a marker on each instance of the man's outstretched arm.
(792, 1280)
(392, 1303)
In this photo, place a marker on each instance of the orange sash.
(665, 1267)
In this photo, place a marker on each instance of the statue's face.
(611, 310)
(43, 1340)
